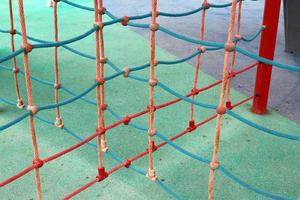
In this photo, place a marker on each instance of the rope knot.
(229, 46)
(100, 130)
(237, 37)
(20, 104)
(191, 126)
(102, 174)
(195, 91)
(103, 106)
(154, 26)
(152, 132)
(126, 120)
(32, 109)
(58, 123)
(152, 82)
(152, 146)
(57, 86)
(127, 163)
(221, 109)
(205, 5)
(101, 11)
(16, 70)
(98, 25)
(125, 20)
(214, 165)
(151, 108)
(27, 47)
(228, 105)
(231, 74)
(103, 60)
(202, 49)
(151, 174)
(126, 71)
(37, 163)
(13, 31)
(100, 81)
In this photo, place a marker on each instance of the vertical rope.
(103, 60)
(231, 70)
(100, 80)
(205, 5)
(20, 102)
(58, 121)
(229, 47)
(31, 107)
(152, 83)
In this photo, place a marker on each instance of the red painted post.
(266, 50)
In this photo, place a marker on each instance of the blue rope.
(167, 189)
(165, 14)
(9, 102)
(64, 42)
(242, 183)
(204, 160)
(15, 121)
(115, 157)
(185, 152)
(11, 55)
(167, 89)
(70, 100)
(262, 128)
(250, 39)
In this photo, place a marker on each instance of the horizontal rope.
(169, 90)
(113, 156)
(165, 14)
(233, 114)
(167, 31)
(194, 156)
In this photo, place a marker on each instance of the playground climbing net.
(224, 107)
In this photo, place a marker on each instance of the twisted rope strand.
(58, 120)
(12, 32)
(198, 59)
(221, 107)
(30, 99)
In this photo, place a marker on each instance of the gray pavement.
(285, 87)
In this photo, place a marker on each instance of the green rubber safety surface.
(264, 161)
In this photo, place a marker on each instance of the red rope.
(132, 116)
(20, 102)
(19, 175)
(129, 161)
(81, 189)
(29, 96)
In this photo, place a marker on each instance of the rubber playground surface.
(262, 160)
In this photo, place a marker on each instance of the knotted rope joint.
(27, 47)
(125, 20)
(152, 132)
(221, 110)
(32, 109)
(100, 130)
(102, 174)
(37, 163)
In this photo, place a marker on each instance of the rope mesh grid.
(224, 106)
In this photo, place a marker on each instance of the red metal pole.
(266, 50)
